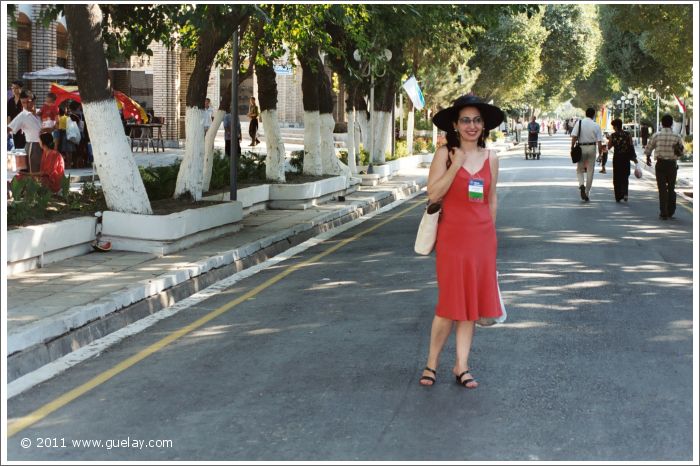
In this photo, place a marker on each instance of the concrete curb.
(38, 344)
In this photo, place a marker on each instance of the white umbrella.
(53, 73)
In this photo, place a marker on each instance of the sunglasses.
(478, 121)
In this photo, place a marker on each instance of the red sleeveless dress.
(466, 250)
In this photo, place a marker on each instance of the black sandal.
(427, 377)
(465, 382)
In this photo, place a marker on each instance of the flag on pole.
(414, 93)
(681, 105)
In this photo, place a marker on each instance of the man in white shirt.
(30, 124)
(588, 134)
(208, 114)
(518, 131)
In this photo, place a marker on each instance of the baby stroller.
(532, 150)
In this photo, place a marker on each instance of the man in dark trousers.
(14, 108)
(644, 132)
(667, 147)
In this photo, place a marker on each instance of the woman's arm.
(493, 196)
(440, 177)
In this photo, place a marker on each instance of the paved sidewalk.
(68, 304)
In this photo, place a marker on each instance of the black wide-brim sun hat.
(492, 115)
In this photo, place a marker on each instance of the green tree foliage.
(508, 58)
(649, 45)
(570, 50)
(596, 89)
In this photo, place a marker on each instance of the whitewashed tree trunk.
(312, 144)
(189, 178)
(363, 123)
(388, 127)
(330, 161)
(350, 143)
(121, 182)
(209, 138)
(379, 128)
(358, 140)
(435, 135)
(409, 130)
(274, 162)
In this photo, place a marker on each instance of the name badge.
(476, 190)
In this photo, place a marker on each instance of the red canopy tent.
(129, 107)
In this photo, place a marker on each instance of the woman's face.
(469, 125)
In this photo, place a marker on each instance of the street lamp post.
(630, 96)
(621, 102)
(652, 89)
(385, 56)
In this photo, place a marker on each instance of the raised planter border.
(165, 234)
(35, 246)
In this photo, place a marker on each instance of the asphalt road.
(594, 362)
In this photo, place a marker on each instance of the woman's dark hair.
(452, 138)
(46, 139)
(616, 123)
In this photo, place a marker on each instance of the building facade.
(158, 82)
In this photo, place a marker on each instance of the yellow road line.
(24, 422)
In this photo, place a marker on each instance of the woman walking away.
(253, 113)
(621, 142)
(463, 176)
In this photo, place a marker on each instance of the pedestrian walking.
(253, 114)
(667, 146)
(463, 177)
(623, 153)
(518, 131)
(644, 133)
(588, 135)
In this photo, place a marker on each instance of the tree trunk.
(212, 38)
(121, 182)
(267, 92)
(381, 117)
(362, 117)
(190, 177)
(350, 141)
(210, 138)
(311, 66)
(329, 160)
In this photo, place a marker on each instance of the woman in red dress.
(463, 177)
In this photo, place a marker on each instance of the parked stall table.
(146, 135)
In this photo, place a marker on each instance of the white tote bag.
(427, 232)
(490, 321)
(72, 131)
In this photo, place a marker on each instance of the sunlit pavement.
(594, 362)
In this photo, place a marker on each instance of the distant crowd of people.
(54, 137)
